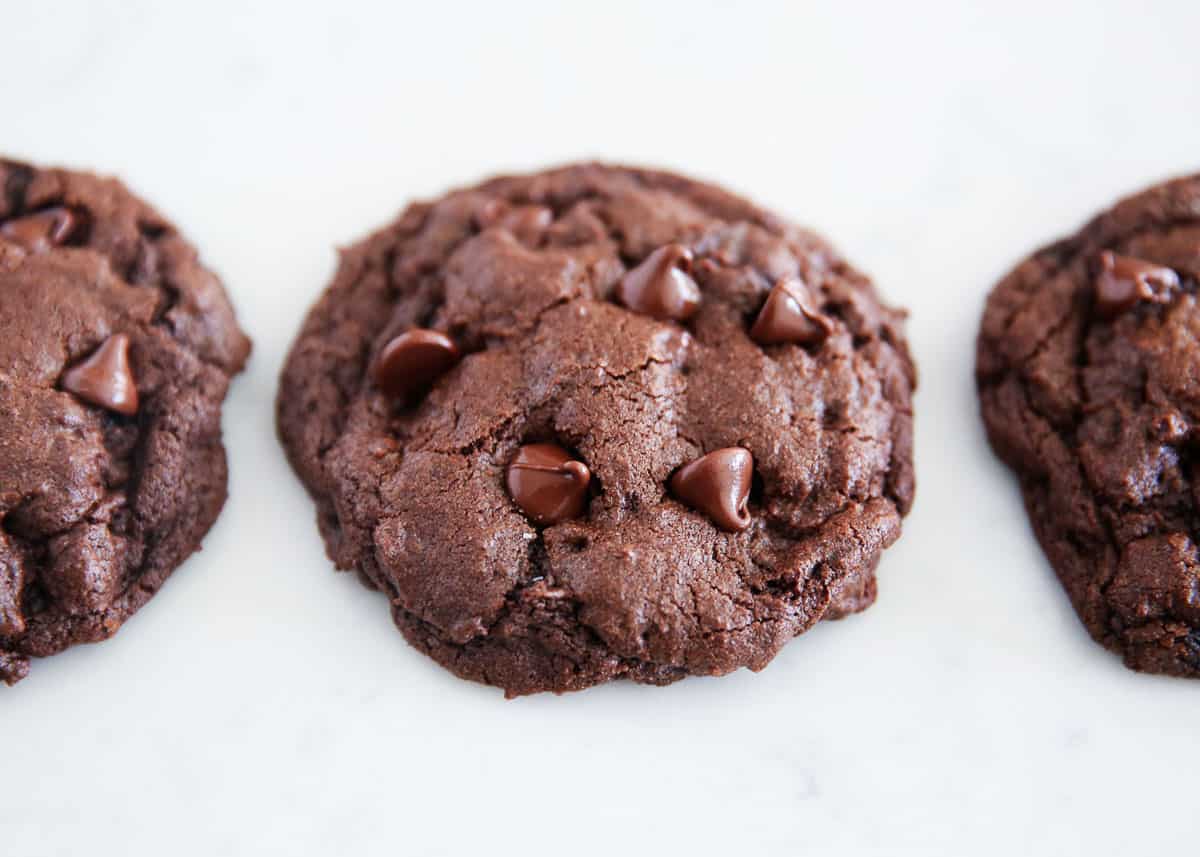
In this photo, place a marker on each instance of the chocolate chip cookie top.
(1088, 359)
(116, 349)
(605, 473)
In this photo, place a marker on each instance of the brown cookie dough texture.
(527, 514)
(1088, 369)
(116, 349)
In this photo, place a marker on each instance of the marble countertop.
(263, 705)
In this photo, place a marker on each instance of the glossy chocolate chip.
(662, 286)
(105, 377)
(718, 485)
(1123, 281)
(42, 230)
(528, 222)
(411, 362)
(548, 483)
(790, 316)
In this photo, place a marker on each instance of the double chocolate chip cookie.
(1087, 369)
(601, 423)
(116, 349)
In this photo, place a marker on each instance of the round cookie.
(600, 423)
(1087, 365)
(116, 349)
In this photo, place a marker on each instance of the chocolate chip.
(528, 222)
(662, 286)
(105, 378)
(1123, 281)
(411, 362)
(718, 485)
(42, 230)
(789, 316)
(548, 483)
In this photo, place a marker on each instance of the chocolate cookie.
(597, 423)
(1088, 363)
(116, 348)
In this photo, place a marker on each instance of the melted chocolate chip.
(42, 230)
(547, 483)
(1123, 281)
(789, 316)
(528, 222)
(718, 485)
(105, 378)
(662, 286)
(411, 362)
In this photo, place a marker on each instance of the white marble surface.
(263, 705)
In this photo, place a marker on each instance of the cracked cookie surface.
(1087, 368)
(116, 350)
(563, 359)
